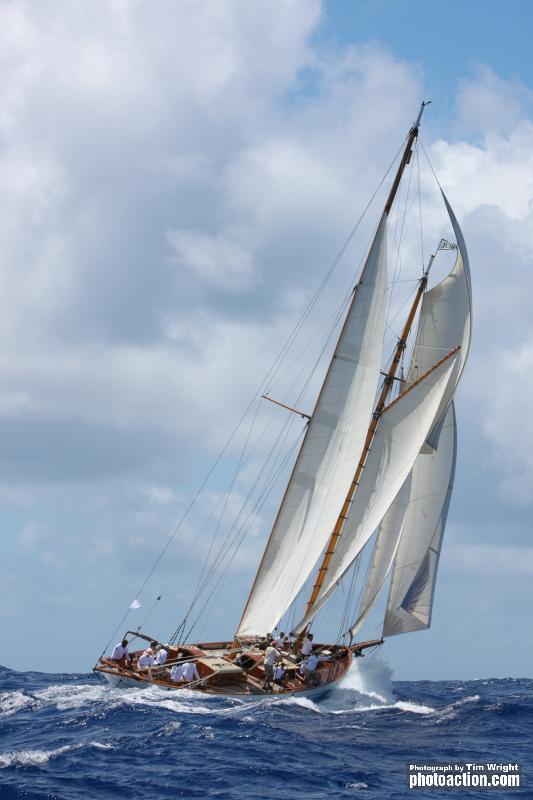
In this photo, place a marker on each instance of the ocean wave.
(32, 758)
(13, 702)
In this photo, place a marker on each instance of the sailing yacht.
(373, 465)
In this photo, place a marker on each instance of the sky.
(175, 180)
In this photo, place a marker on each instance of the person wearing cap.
(120, 653)
(146, 660)
(271, 656)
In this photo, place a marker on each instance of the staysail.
(402, 430)
(333, 442)
(415, 567)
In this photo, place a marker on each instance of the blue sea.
(70, 737)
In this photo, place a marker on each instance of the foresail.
(401, 432)
(414, 574)
(387, 541)
(332, 445)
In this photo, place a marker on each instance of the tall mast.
(387, 383)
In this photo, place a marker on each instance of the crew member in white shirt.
(279, 640)
(120, 653)
(146, 660)
(271, 656)
(308, 667)
(307, 646)
(160, 656)
(279, 674)
(190, 672)
(176, 673)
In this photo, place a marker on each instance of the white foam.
(72, 696)
(12, 702)
(102, 745)
(451, 711)
(31, 758)
(303, 702)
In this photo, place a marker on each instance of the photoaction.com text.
(468, 775)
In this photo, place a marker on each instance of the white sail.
(445, 322)
(387, 542)
(402, 430)
(415, 567)
(333, 443)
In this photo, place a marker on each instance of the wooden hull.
(221, 676)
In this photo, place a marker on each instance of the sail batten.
(332, 444)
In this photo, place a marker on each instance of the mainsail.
(333, 442)
(401, 432)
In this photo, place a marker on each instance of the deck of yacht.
(221, 670)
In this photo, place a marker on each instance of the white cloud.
(219, 261)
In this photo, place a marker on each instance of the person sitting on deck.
(279, 674)
(160, 656)
(146, 660)
(189, 672)
(120, 653)
(271, 656)
(308, 669)
(307, 646)
(176, 673)
(279, 640)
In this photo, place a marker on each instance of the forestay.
(415, 567)
(402, 430)
(332, 445)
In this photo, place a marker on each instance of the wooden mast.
(387, 383)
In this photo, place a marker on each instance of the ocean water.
(69, 737)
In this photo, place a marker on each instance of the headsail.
(387, 541)
(402, 430)
(415, 567)
(332, 445)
